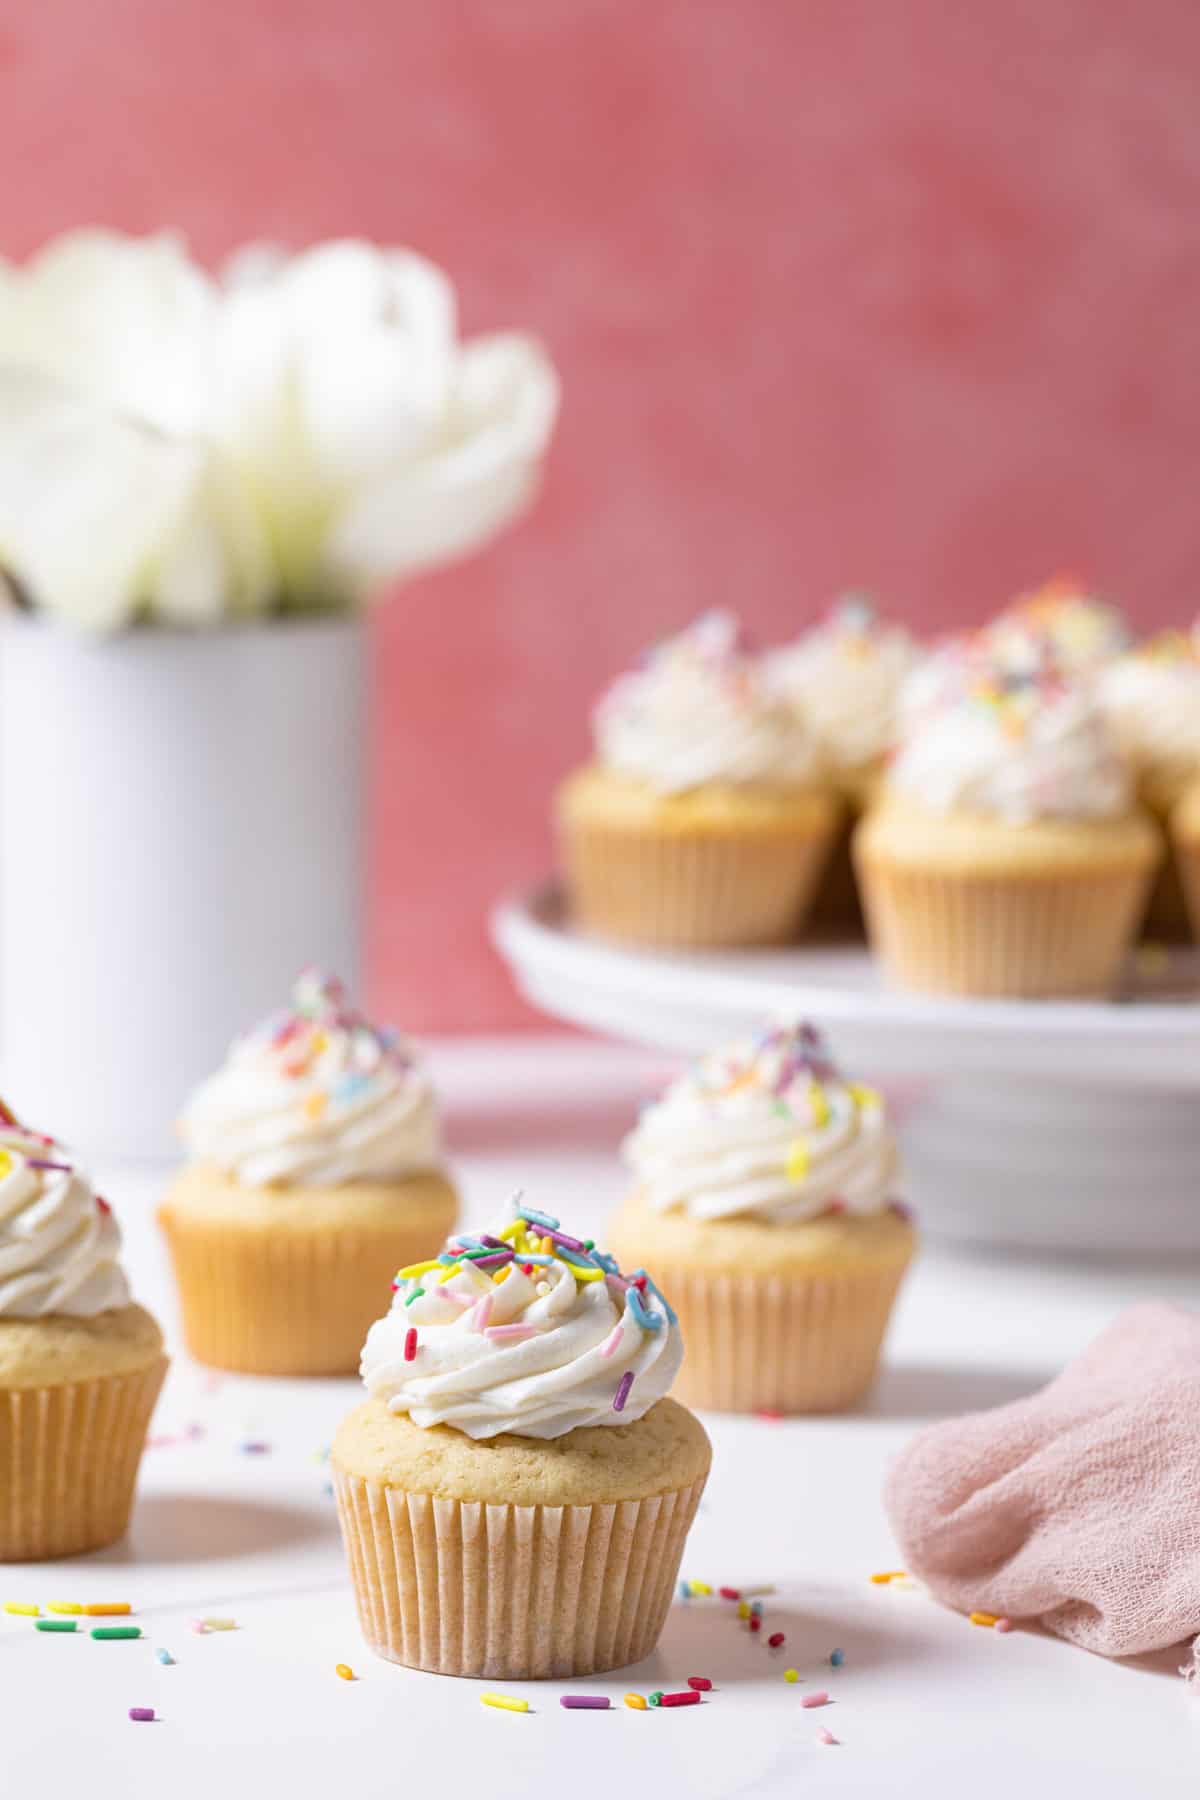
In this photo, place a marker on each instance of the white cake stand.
(1066, 1124)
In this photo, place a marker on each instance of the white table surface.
(924, 1704)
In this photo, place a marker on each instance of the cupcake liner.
(836, 909)
(285, 1302)
(694, 888)
(1185, 861)
(69, 1459)
(780, 1343)
(1012, 936)
(1173, 909)
(511, 1592)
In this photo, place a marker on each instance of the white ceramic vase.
(180, 833)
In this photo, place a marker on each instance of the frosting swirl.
(766, 1130)
(1152, 700)
(526, 1330)
(1015, 750)
(59, 1242)
(846, 675)
(699, 710)
(1059, 624)
(316, 1096)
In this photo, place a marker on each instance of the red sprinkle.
(690, 1698)
(410, 1343)
(103, 1205)
(754, 1622)
(527, 1268)
(730, 1593)
(701, 1683)
(639, 1282)
(775, 1639)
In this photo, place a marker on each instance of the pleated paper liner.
(1186, 860)
(790, 1343)
(694, 888)
(1015, 936)
(69, 1459)
(284, 1302)
(511, 1592)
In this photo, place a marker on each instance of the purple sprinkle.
(622, 1393)
(493, 1243)
(568, 1243)
(493, 1262)
(144, 1714)
(585, 1702)
(254, 1447)
(38, 1163)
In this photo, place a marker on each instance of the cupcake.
(704, 819)
(1059, 625)
(80, 1364)
(315, 1170)
(845, 676)
(767, 1200)
(516, 1490)
(1007, 855)
(1152, 700)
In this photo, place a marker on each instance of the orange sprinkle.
(315, 1105)
(982, 1618)
(115, 1606)
(886, 1575)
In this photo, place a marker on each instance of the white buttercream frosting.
(1015, 750)
(846, 676)
(535, 1338)
(1152, 699)
(315, 1097)
(700, 710)
(1060, 625)
(766, 1129)
(60, 1245)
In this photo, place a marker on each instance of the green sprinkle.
(589, 1243)
(656, 1699)
(116, 1631)
(54, 1624)
(415, 1295)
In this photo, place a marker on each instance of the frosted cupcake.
(1152, 700)
(1059, 626)
(516, 1491)
(80, 1364)
(767, 1200)
(315, 1170)
(1008, 855)
(705, 818)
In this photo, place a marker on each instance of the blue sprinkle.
(543, 1262)
(659, 1296)
(347, 1088)
(547, 1221)
(649, 1321)
(576, 1260)
(685, 1590)
(756, 1609)
(606, 1262)
(837, 1658)
(164, 1656)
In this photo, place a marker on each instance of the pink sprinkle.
(482, 1313)
(1003, 1625)
(616, 1285)
(825, 1736)
(448, 1293)
(614, 1337)
(510, 1333)
(410, 1344)
(198, 1626)
(819, 1698)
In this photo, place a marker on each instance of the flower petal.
(484, 472)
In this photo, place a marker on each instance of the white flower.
(298, 435)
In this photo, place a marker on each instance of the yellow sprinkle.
(701, 1587)
(415, 1269)
(318, 1042)
(6, 1163)
(220, 1624)
(982, 1618)
(819, 1101)
(108, 1607)
(886, 1575)
(797, 1160)
(637, 1702)
(345, 1671)
(315, 1105)
(449, 1275)
(63, 1606)
(514, 1230)
(502, 1274)
(743, 1609)
(791, 1674)
(865, 1097)
(586, 1274)
(19, 1606)
(506, 1702)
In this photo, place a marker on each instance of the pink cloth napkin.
(1078, 1507)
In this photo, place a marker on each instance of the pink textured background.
(904, 293)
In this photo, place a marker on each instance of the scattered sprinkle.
(254, 1447)
(701, 1683)
(755, 1622)
(744, 1609)
(344, 1670)
(728, 1593)
(886, 1575)
(1004, 1625)
(165, 1657)
(63, 1606)
(818, 1698)
(117, 1631)
(791, 1674)
(825, 1736)
(689, 1697)
(837, 1658)
(701, 1587)
(109, 1607)
(219, 1624)
(983, 1618)
(636, 1701)
(656, 1697)
(584, 1702)
(685, 1590)
(506, 1702)
(20, 1606)
(54, 1624)
(142, 1714)
(775, 1639)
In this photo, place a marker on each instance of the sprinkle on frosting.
(1059, 623)
(699, 709)
(60, 1245)
(846, 675)
(766, 1129)
(528, 1330)
(316, 1095)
